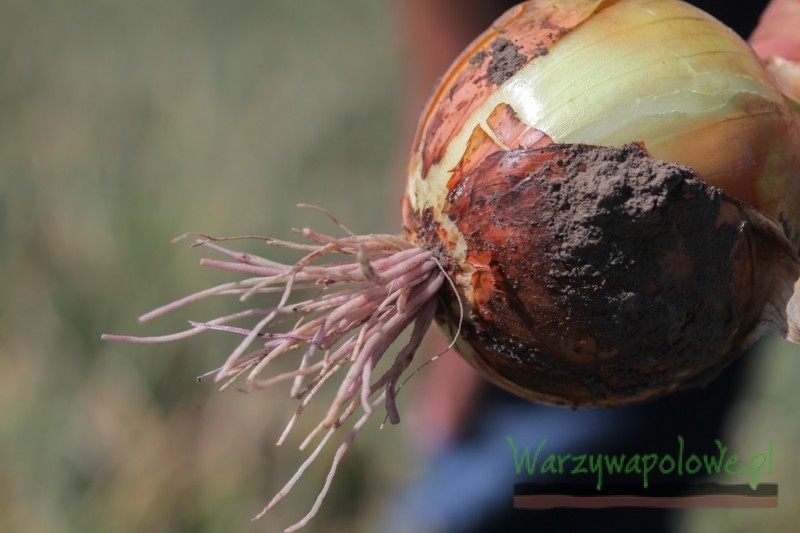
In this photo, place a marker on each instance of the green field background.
(124, 124)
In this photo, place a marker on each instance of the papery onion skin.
(521, 105)
(727, 121)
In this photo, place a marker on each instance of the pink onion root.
(359, 306)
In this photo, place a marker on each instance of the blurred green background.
(123, 124)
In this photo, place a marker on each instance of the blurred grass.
(767, 411)
(123, 124)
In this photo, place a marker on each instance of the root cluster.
(358, 308)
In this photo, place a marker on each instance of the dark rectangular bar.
(669, 496)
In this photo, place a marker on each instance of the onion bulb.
(637, 281)
(603, 206)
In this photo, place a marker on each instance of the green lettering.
(526, 457)
(580, 469)
(698, 464)
(549, 465)
(769, 463)
(734, 458)
(615, 463)
(649, 462)
(714, 463)
(661, 467)
(561, 459)
(762, 457)
(596, 466)
(633, 466)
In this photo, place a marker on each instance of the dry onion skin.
(603, 206)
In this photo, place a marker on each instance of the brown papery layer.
(600, 275)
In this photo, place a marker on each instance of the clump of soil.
(601, 275)
(638, 245)
(506, 60)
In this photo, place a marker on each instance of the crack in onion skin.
(604, 276)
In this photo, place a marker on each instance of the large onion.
(640, 279)
(603, 206)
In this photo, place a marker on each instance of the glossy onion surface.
(596, 271)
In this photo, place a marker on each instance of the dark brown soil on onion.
(601, 276)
